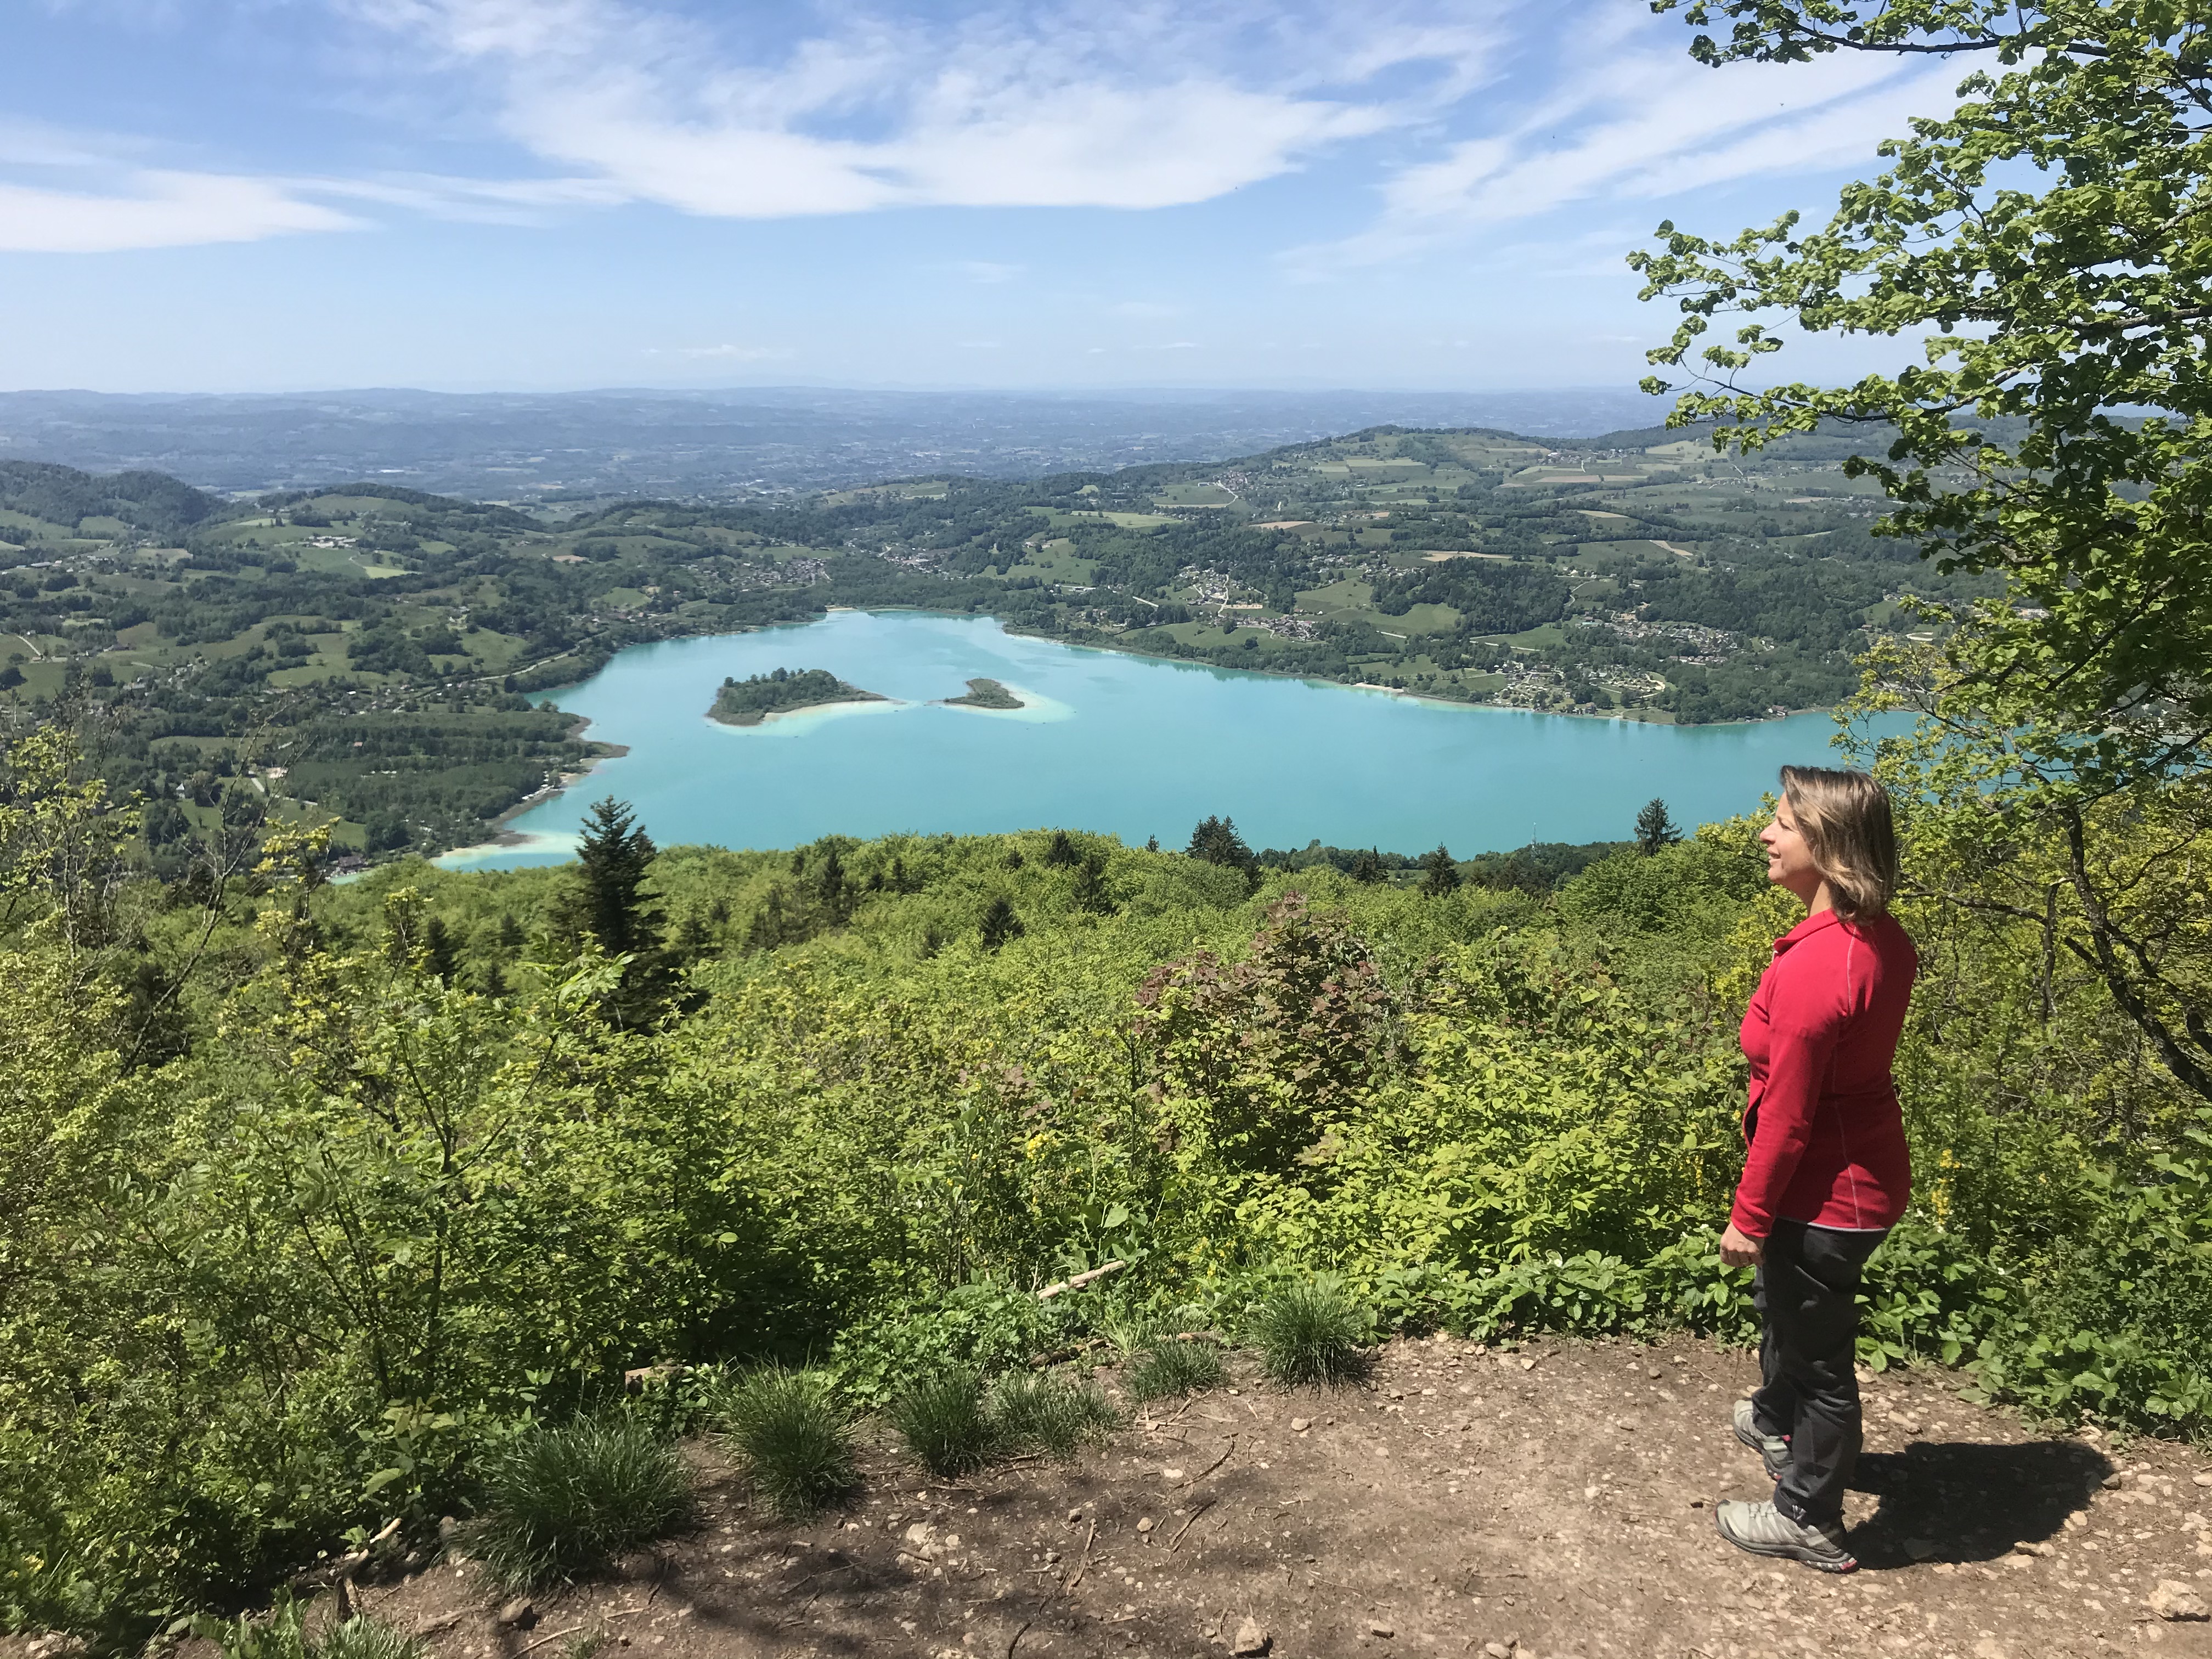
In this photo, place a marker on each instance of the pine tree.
(612, 858)
(1367, 865)
(1000, 923)
(1216, 841)
(609, 903)
(1060, 853)
(1090, 892)
(1654, 829)
(441, 956)
(1440, 873)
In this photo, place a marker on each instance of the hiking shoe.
(1773, 1450)
(1764, 1530)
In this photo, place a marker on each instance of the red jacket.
(1825, 1137)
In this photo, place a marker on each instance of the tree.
(1216, 841)
(1091, 893)
(2047, 238)
(608, 902)
(1367, 865)
(1000, 924)
(612, 857)
(1655, 828)
(1439, 873)
(1060, 853)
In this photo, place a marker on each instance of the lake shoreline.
(1290, 759)
(1020, 631)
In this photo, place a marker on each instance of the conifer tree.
(609, 903)
(1654, 829)
(1000, 924)
(1440, 873)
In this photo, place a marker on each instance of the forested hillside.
(312, 1196)
(365, 656)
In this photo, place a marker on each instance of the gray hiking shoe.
(1773, 1450)
(1764, 1530)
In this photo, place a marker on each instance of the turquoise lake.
(1131, 745)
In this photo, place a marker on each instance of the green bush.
(282, 1633)
(792, 1436)
(1037, 1411)
(567, 1500)
(1309, 1334)
(944, 1419)
(1168, 1367)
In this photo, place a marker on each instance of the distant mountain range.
(584, 446)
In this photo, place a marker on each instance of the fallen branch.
(1084, 1566)
(1215, 1464)
(1018, 1634)
(1080, 1281)
(1185, 1528)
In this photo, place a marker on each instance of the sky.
(470, 194)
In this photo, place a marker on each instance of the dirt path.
(1547, 1503)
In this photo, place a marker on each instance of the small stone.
(1920, 1549)
(1252, 1638)
(2200, 1480)
(1528, 1365)
(447, 1528)
(2116, 1479)
(1589, 1492)
(1300, 1424)
(1075, 1514)
(519, 1613)
(1145, 1525)
(1171, 1474)
(952, 1541)
(1497, 1650)
(2174, 1600)
(922, 1535)
(2031, 1547)
(2019, 1562)
(1654, 1373)
(1376, 1627)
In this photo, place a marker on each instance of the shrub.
(564, 1500)
(1171, 1367)
(282, 1633)
(363, 1638)
(793, 1437)
(1309, 1334)
(1047, 1412)
(943, 1419)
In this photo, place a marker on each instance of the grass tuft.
(942, 1416)
(363, 1638)
(1171, 1367)
(1047, 1413)
(565, 1500)
(792, 1436)
(1309, 1334)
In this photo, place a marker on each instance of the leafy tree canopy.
(2048, 240)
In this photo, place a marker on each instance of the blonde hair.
(1845, 818)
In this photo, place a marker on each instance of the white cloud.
(1046, 107)
(157, 209)
(1645, 124)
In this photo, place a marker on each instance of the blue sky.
(263, 195)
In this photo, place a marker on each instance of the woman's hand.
(1739, 1250)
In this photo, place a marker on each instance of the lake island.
(786, 690)
(985, 693)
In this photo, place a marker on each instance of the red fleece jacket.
(1825, 1137)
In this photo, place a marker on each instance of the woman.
(1826, 1173)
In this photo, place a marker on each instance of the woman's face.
(1789, 861)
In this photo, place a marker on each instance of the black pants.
(1806, 1289)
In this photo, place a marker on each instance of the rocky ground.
(1550, 1501)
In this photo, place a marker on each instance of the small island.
(750, 701)
(985, 693)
